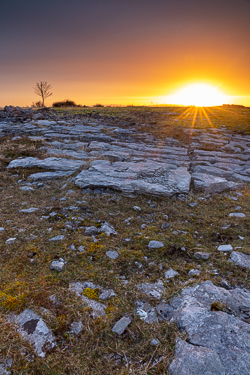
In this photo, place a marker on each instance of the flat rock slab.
(207, 183)
(192, 360)
(58, 164)
(35, 331)
(140, 178)
(224, 332)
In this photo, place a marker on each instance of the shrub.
(98, 105)
(64, 103)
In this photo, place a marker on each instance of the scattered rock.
(240, 259)
(57, 238)
(9, 241)
(90, 231)
(146, 312)
(237, 214)
(108, 229)
(112, 254)
(121, 325)
(194, 272)
(225, 248)
(155, 245)
(170, 273)
(76, 327)
(29, 210)
(203, 256)
(152, 290)
(1, 229)
(155, 342)
(34, 330)
(57, 265)
(5, 365)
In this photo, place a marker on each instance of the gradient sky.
(122, 51)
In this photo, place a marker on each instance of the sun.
(199, 95)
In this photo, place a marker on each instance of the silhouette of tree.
(42, 89)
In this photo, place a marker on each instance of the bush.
(64, 103)
(98, 105)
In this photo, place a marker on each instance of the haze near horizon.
(139, 52)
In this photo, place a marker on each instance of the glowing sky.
(123, 51)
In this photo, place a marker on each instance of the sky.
(123, 51)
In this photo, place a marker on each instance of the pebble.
(1, 229)
(164, 225)
(112, 254)
(155, 245)
(171, 273)
(76, 327)
(29, 210)
(57, 238)
(136, 208)
(121, 325)
(10, 240)
(154, 342)
(90, 231)
(194, 272)
(237, 214)
(26, 188)
(225, 248)
(57, 265)
(203, 256)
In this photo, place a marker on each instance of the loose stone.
(237, 214)
(90, 231)
(121, 325)
(225, 248)
(57, 238)
(57, 265)
(9, 241)
(240, 259)
(112, 254)
(194, 272)
(29, 210)
(155, 245)
(170, 273)
(203, 256)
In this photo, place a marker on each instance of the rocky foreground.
(98, 157)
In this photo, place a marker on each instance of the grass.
(26, 284)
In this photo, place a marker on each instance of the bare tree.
(42, 89)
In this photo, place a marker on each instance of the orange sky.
(123, 52)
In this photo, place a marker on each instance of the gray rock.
(237, 214)
(57, 238)
(106, 294)
(155, 342)
(146, 312)
(1, 229)
(76, 327)
(225, 248)
(165, 311)
(35, 331)
(152, 290)
(5, 365)
(58, 164)
(121, 325)
(112, 254)
(211, 184)
(240, 259)
(193, 360)
(57, 265)
(136, 208)
(155, 245)
(44, 176)
(90, 231)
(9, 241)
(203, 256)
(98, 309)
(164, 226)
(170, 273)
(194, 272)
(29, 210)
(129, 177)
(108, 229)
(26, 188)
(225, 332)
